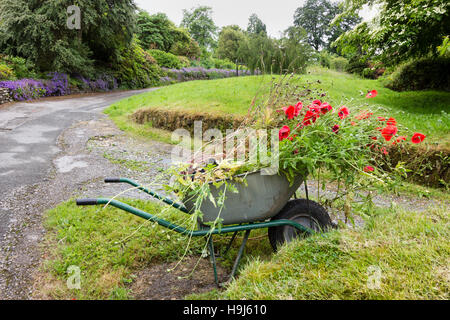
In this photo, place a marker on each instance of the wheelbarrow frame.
(203, 231)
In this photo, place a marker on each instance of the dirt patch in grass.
(163, 282)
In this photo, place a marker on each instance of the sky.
(276, 14)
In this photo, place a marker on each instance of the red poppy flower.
(369, 169)
(318, 102)
(284, 133)
(389, 132)
(372, 94)
(418, 138)
(343, 112)
(289, 111)
(336, 128)
(325, 107)
(381, 119)
(391, 122)
(310, 116)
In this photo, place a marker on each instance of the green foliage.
(338, 63)
(444, 48)
(37, 30)
(6, 73)
(422, 74)
(198, 21)
(135, 68)
(21, 67)
(403, 29)
(316, 17)
(256, 26)
(230, 40)
(185, 62)
(288, 54)
(158, 32)
(165, 59)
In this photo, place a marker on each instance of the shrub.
(185, 62)
(21, 67)
(338, 63)
(6, 72)
(136, 68)
(422, 74)
(165, 59)
(324, 59)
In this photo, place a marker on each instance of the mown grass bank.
(423, 111)
(397, 255)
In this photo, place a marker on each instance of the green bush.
(324, 59)
(6, 73)
(185, 62)
(223, 64)
(21, 68)
(338, 63)
(165, 59)
(136, 68)
(422, 74)
(357, 65)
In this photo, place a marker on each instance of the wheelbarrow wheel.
(305, 212)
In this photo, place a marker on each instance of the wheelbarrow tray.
(260, 199)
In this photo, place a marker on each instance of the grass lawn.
(397, 255)
(420, 111)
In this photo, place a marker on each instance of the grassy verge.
(398, 255)
(110, 245)
(107, 245)
(423, 111)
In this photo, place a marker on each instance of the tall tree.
(256, 26)
(316, 17)
(230, 40)
(200, 24)
(37, 30)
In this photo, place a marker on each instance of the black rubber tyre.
(307, 213)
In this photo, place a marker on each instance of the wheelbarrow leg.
(213, 259)
(239, 256)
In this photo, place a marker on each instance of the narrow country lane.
(31, 156)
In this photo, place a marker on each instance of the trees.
(37, 30)
(403, 30)
(256, 26)
(158, 32)
(229, 43)
(316, 17)
(198, 21)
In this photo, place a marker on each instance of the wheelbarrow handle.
(113, 180)
(87, 202)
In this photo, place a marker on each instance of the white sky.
(276, 14)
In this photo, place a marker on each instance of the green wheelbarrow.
(263, 202)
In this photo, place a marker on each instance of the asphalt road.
(28, 134)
